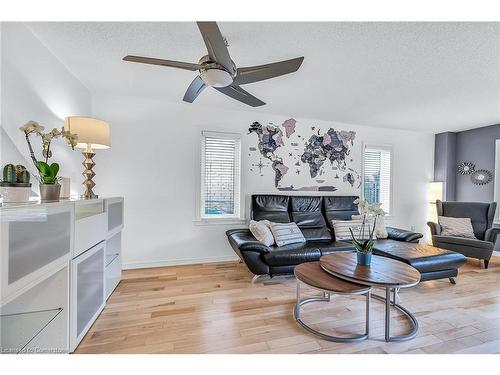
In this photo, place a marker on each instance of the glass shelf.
(110, 258)
(17, 330)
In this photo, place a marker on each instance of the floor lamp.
(93, 134)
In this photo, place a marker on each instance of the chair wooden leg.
(452, 280)
(486, 262)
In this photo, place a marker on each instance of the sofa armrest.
(435, 228)
(249, 250)
(491, 234)
(403, 235)
(244, 240)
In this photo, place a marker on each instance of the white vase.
(65, 183)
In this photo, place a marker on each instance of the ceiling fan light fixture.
(219, 71)
(216, 77)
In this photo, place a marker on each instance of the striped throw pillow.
(285, 234)
(341, 229)
(380, 231)
(456, 226)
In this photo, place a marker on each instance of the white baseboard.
(179, 262)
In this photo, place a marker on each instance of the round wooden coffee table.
(383, 273)
(312, 275)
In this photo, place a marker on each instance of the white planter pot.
(15, 194)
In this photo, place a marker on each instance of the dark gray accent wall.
(475, 145)
(444, 163)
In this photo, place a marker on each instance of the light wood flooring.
(213, 308)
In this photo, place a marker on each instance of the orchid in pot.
(47, 173)
(364, 240)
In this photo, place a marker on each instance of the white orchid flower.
(32, 127)
(55, 133)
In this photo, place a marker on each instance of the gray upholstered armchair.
(481, 215)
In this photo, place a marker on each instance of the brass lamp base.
(88, 173)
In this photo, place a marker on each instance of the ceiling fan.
(219, 71)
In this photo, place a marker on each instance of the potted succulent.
(15, 184)
(48, 180)
(363, 240)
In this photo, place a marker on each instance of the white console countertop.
(38, 202)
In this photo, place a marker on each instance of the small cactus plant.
(15, 174)
(19, 169)
(15, 186)
(24, 177)
(9, 174)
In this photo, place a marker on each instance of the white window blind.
(377, 179)
(220, 175)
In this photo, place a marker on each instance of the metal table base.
(413, 321)
(326, 298)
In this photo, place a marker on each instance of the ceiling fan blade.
(170, 63)
(194, 90)
(216, 46)
(261, 72)
(236, 92)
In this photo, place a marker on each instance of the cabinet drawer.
(90, 225)
(113, 273)
(33, 240)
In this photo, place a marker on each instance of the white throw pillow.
(261, 231)
(341, 229)
(380, 231)
(456, 226)
(285, 234)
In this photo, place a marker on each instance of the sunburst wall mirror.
(466, 167)
(481, 177)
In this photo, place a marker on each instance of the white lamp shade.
(91, 132)
(435, 191)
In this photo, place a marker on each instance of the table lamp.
(93, 134)
(435, 192)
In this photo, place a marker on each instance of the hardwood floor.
(213, 308)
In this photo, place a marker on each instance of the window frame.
(384, 147)
(201, 217)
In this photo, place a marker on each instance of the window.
(220, 175)
(377, 176)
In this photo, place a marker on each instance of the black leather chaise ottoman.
(432, 262)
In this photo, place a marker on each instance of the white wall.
(36, 86)
(155, 159)
(155, 156)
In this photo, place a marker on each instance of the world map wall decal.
(313, 160)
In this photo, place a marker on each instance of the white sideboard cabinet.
(59, 262)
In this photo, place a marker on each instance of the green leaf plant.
(364, 246)
(48, 173)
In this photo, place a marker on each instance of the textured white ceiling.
(422, 76)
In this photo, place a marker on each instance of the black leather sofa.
(313, 215)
